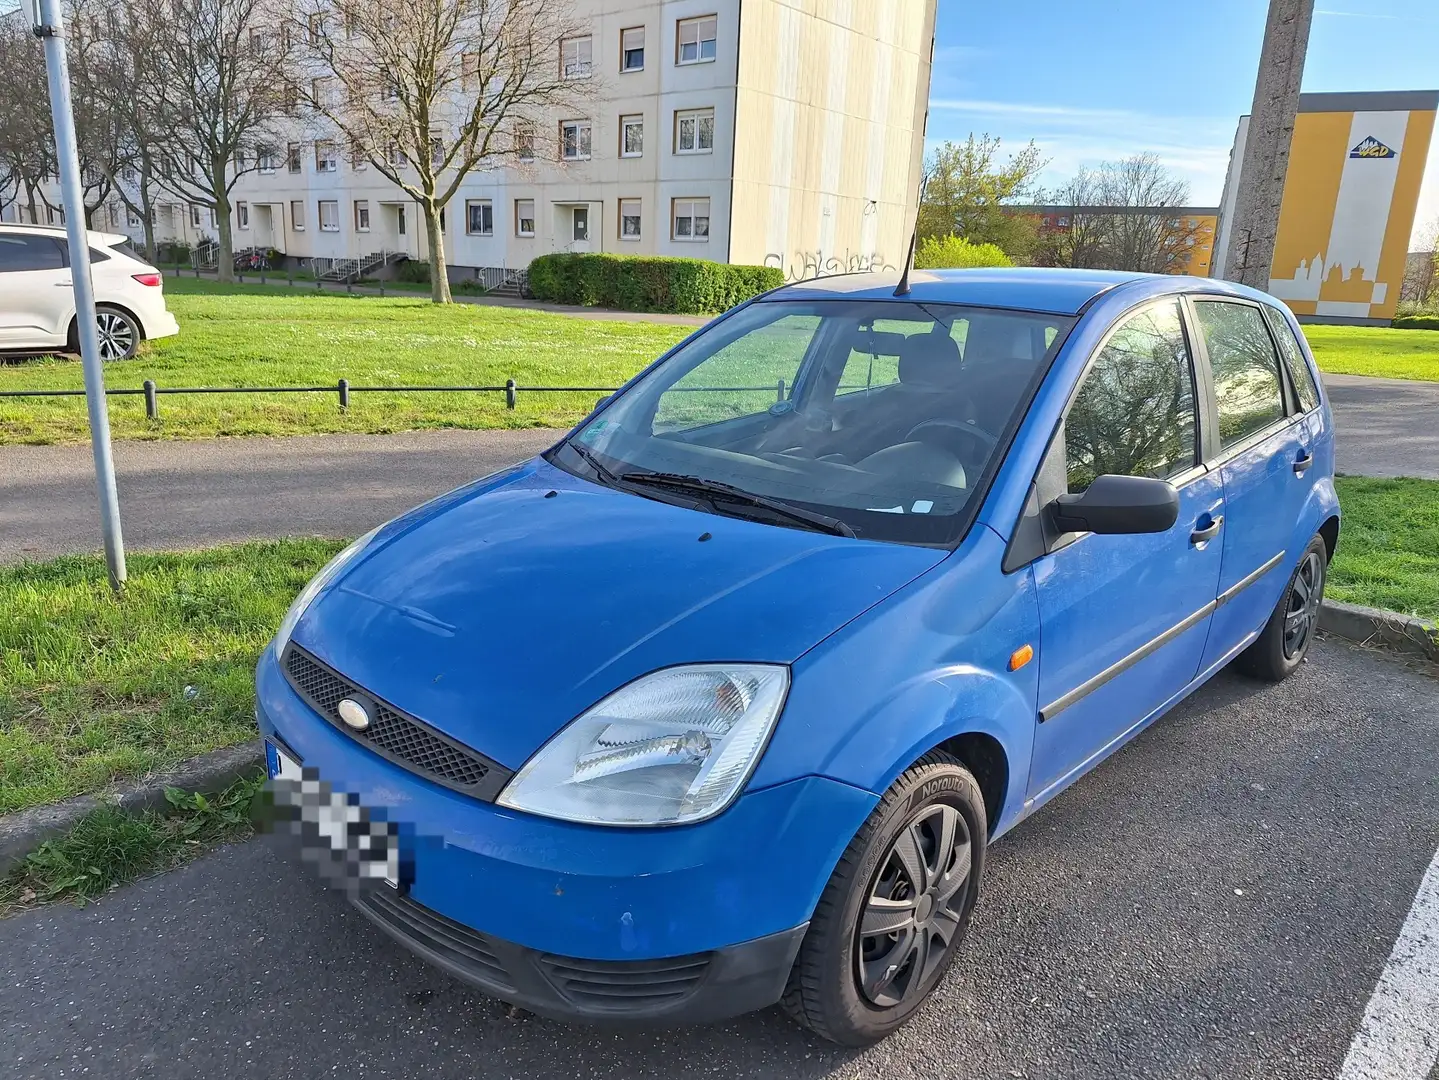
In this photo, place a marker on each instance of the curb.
(1369, 626)
(25, 830)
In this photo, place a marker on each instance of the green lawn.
(1388, 545)
(1376, 350)
(93, 689)
(252, 335)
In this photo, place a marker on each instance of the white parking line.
(1399, 1036)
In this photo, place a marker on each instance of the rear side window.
(1134, 414)
(1293, 356)
(1246, 371)
(18, 252)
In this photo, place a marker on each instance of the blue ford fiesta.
(719, 701)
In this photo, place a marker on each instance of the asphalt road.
(1217, 900)
(187, 494)
(1385, 427)
(210, 491)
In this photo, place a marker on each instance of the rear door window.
(20, 252)
(1247, 390)
(1299, 373)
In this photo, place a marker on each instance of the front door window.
(582, 223)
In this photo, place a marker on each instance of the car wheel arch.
(105, 305)
(1330, 532)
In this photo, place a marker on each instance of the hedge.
(647, 282)
(948, 252)
(1416, 322)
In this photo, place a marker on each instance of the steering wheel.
(986, 439)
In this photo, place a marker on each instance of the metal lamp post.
(50, 28)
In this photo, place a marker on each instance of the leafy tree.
(967, 188)
(936, 252)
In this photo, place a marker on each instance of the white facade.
(664, 152)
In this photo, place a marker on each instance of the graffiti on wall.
(803, 265)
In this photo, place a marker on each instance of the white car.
(37, 305)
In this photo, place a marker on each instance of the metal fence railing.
(343, 389)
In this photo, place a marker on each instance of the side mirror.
(1118, 504)
(600, 403)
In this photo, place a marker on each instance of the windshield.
(882, 417)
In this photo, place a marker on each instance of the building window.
(266, 159)
(257, 42)
(389, 92)
(358, 161)
(692, 219)
(297, 215)
(695, 131)
(132, 219)
(629, 219)
(327, 158)
(575, 140)
(469, 70)
(632, 136)
(317, 30)
(479, 217)
(524, 217)
(395, 156)
(632, 49)
(194, 216)
(525, 142)
(577, 57)
(291, 97)
(322, 93)
(329, 215)
(242, 215)
(362, 215)
(437, 151)
(292, 157)
(695, 40)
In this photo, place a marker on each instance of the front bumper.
(736, 891)
(698, 988)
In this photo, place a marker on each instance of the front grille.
(624, 985)
(392, 734)
(453, 942)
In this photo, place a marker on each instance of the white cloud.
(1073, 136)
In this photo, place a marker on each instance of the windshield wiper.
(588, 457)
(712, 489)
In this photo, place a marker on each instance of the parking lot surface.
(1217, 900)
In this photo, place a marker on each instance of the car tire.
(855, 988)
(1283, 643)
(120, 335)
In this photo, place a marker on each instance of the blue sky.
(1090, 80)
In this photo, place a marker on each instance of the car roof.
(104, 239)
(1058, 290)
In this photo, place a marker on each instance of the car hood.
(502, 611)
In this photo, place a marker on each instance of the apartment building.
(787, 132)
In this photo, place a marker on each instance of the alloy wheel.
(914, 909)
(1301, 614)
(116, 335)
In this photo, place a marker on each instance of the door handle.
(62, 284)
(1209, 532)
(1303, 463)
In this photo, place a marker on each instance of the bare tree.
(109, 61)
(1156, 239)
(27, 145)
(429, 91)
(1124, 215)
(218, 72)
(1081, 243)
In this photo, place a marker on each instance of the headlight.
(673, 747)
(318, 582)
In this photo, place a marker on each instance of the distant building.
(777, 132)
(1356, 163)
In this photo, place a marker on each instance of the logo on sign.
(1371, 147)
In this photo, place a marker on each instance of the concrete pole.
(1266, 150)
(50, 28)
